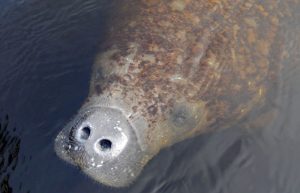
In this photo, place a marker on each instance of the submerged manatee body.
(170, 70)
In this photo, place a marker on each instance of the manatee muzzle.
(103, 143)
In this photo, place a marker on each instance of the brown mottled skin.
(173, 69)
(217, 59)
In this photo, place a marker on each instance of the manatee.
(169, 70)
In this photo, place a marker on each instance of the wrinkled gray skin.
(170, 70)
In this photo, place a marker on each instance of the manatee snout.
(102, 142)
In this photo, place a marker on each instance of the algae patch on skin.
(178, 5)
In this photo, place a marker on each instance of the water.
(46, 52)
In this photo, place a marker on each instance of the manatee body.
(170, 70)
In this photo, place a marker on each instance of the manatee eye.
(179, 117)
(182, 117)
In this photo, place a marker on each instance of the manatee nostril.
(84, 133)
(105, 144)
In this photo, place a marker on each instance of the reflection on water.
(46, 52)
(9, 152)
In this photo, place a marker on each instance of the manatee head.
(102, 142)
(111, 144)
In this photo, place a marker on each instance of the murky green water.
(46, 52)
